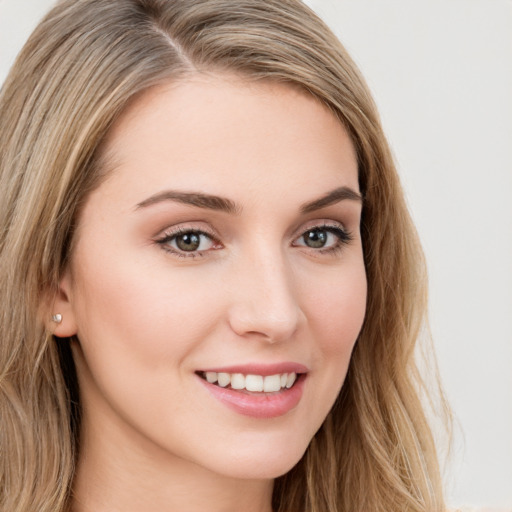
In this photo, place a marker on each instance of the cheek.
(141, 307)
(336, 315)
(337, 311)
(138, 323)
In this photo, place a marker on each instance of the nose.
(266, 304)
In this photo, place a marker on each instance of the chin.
(262, 463)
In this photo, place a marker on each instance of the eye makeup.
(191, 242)
(188, 242)
(324, 239)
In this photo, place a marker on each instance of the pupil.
(315, 238)
(188, 241)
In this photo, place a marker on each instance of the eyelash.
(343, 238)
(173, 235)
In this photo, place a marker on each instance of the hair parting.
(78, 72)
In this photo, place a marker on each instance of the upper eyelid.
(171, 231)
(169, 234)
(184, 227)
(319, 223)
(166, 236)
(327, 227)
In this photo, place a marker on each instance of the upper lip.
(259, 368)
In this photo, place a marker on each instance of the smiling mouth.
(251, 383)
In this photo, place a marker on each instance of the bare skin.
(166, 284)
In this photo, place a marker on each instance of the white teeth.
(211, 377)
(224, 379)
(272, 383)
(255, 383)
(290, 380)
(237, 381)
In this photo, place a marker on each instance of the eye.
(187, 242)
(324, 238)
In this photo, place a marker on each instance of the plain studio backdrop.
(441, 73)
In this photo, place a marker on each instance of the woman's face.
(218, 264)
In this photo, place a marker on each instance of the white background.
(441, 72)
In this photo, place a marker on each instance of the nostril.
(265, 305)
(265, 325)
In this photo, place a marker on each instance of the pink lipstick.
(260, 391)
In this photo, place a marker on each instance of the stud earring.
(57, 318)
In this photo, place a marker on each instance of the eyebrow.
(332, 197)
(197, 199)
(212, 202)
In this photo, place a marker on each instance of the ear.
(60, 318)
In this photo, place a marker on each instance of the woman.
(211, 286)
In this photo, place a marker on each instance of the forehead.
(221, 130)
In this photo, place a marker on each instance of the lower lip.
(259, 405)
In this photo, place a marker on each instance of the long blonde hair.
(85, 61)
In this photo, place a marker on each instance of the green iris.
(315, 238)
